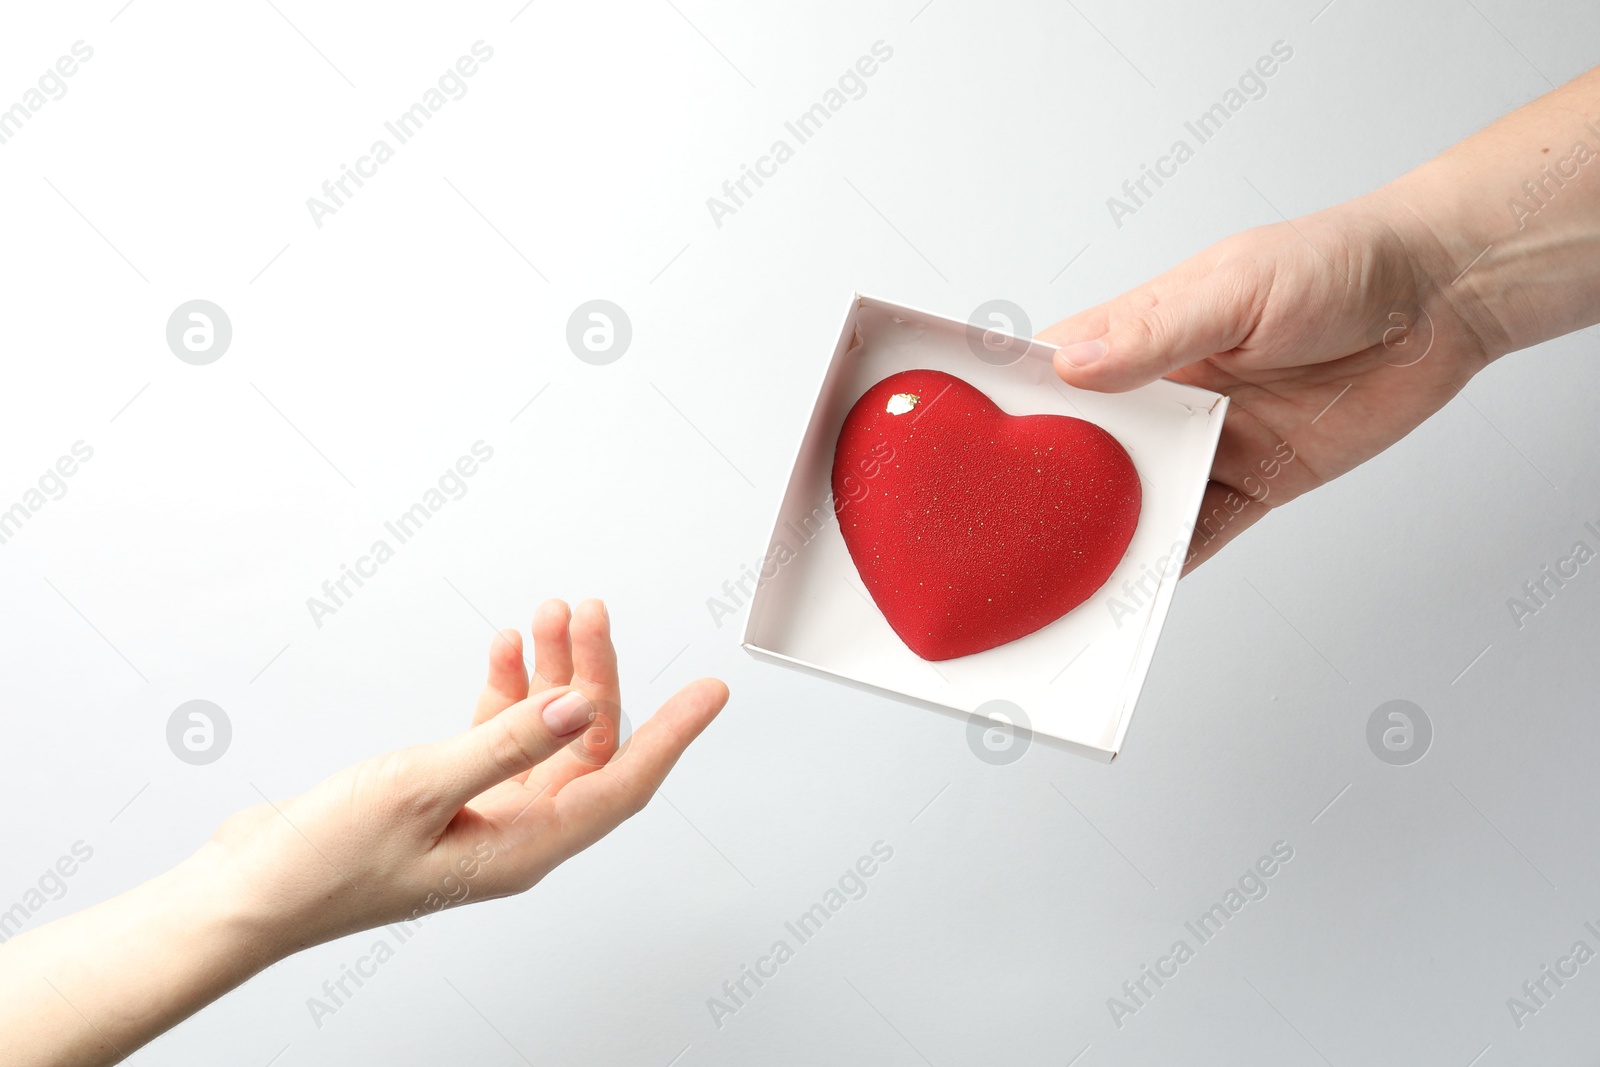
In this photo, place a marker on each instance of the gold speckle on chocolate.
(901, 403)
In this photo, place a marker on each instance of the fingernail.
(567, 713)
(1083, 353)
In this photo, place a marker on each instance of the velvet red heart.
(972, 527)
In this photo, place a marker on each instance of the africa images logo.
(736, 191)
(1252, 85)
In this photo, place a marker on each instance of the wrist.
(285, 892)
(1429, 235)
(223, 919)
(1507, 223)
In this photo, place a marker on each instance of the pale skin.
(484, 814)
(1282, 319)
(1338, 308)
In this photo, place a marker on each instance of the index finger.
(593, 805)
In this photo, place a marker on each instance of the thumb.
(1112, 354)
(517, 739)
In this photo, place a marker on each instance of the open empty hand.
(489, 812)
(486, 813)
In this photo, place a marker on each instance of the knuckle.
(630, 792)
(1145, 332)
(400, 793)
(512, 749)
(636, 794)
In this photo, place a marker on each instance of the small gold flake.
(901, 403)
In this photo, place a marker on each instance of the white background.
(423, 316)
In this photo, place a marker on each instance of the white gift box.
(1075, 681)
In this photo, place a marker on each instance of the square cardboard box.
(1073, 683)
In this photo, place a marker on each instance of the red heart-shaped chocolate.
(971, 527)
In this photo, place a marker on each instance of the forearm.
(1506, 224)
(92, 987)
